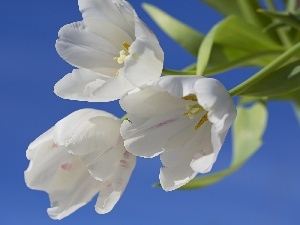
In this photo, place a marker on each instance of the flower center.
(193, 109)
(123, 53)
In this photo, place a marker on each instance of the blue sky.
(265, 191)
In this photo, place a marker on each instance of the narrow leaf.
(175, 29)
(278, 82)
(235, 39)
(285, 17)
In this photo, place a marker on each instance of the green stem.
(239, 62)
(178, 72)
(224, 67)
(264, 72)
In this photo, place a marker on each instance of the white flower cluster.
(183, 118)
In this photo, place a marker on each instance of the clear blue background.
(265, 191)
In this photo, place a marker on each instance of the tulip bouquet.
(183, 116)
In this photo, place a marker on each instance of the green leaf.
(243, 9)
(265, 72)
(286, 17)
(228, 7)
(187, 37)
(248, 130)
(278, 82)
(236, 39)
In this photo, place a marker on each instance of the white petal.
(105, 164)
(148, 139)
(172, 178)
(150, 102)
(80, 85)
(82, 48)
(112, 193)
(145, 61)
(61, 175)
(215, 99)
(110, 32)
(87, 130)
(71, 189)
(46, 160)
(115, 12)
(113, 89)
(177, 86)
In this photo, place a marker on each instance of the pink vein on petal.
(163, 123)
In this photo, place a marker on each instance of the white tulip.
(183, 118)
(82, 155)
(113, 50)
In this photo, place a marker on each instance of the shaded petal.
(183, 163)
(113, 89)
(151, 102)
(105, 164)
(45, 161)
(110, 32)
(215, 99)
(148, 138)
(177, 86)
(172, 178)
(71, 189)
(61, 175)
(117, 12)
(82, 48)
(87, 130)
(145, 61)
(80, 85)
(110, 195)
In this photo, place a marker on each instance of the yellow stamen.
(190, 97)
(126, 46)
(201, 122)
(123, 54)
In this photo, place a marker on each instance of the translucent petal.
(110, 195)
(87, 130)
(84, 49)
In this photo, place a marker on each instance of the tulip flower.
(183, 118)
(113, 50)
(82, 155)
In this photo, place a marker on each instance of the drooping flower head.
(82, 155)
(183, 118)
(113, 50)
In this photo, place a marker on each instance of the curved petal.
(82, 48)
(215, 99)
(61, 175)
(117, 12)
(177, 86)
(151, 102)
(113, 89)
(45, 161)
(110, 195)
(71, 189)
(145, 61)
(149, 137)
(110, 32)
(80, 85)
(172, 178)
(104, 166)
(87, 130)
